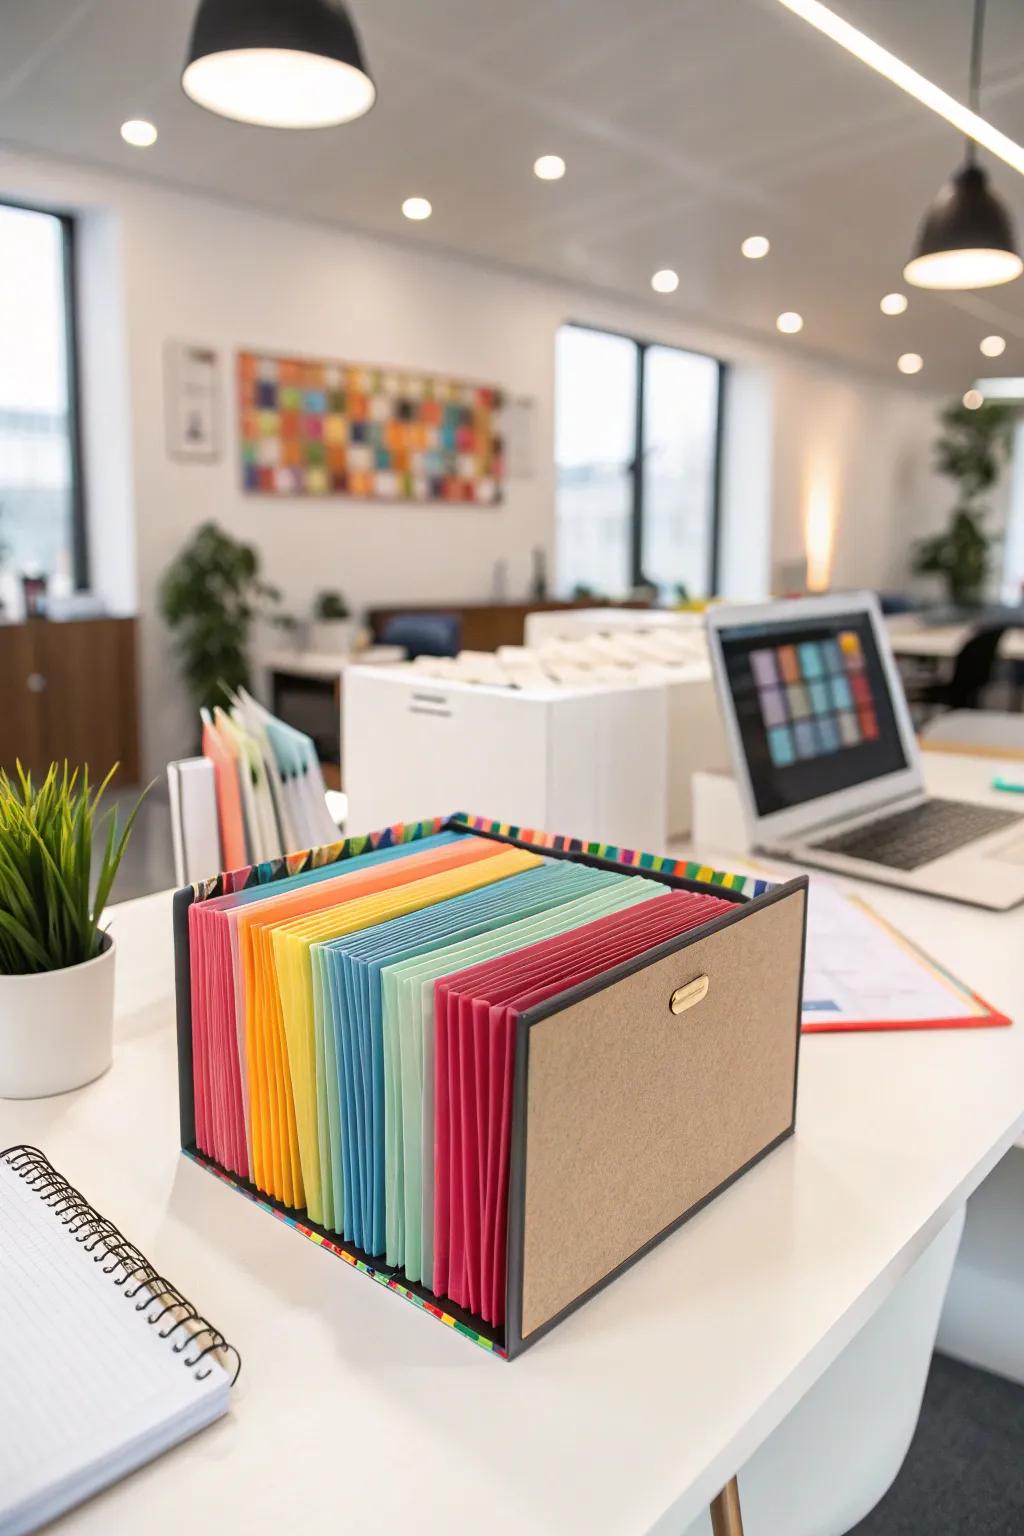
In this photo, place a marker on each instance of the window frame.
(635, 468)
(69, 267)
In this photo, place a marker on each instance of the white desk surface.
(324, 664)
(943, 641)
(630, 1415)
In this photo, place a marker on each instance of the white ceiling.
(686, 125)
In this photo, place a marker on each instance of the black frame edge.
(183, 1015)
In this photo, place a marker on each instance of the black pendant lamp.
(966, 239)
(279, 63)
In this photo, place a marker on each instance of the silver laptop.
(826, 759)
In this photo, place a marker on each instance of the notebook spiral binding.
(109, 1247)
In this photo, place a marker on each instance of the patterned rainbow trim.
(313, 858)
(382, 1277)
(659, 863)
(408, 832)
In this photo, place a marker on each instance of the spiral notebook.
(103, 1364)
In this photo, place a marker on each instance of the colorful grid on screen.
(815, 698)
(342, 429)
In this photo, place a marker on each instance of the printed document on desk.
(861, 973)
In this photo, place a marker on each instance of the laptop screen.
(812, 707)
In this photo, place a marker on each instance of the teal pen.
(1008, 784)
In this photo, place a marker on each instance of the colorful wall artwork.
(345, 429)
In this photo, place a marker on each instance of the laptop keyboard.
(908, 839)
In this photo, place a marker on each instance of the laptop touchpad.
(1009, 852)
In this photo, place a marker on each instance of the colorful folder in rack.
(269, 787)
(486, 1065)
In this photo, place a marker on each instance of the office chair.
(972, 672)
(896, 603)
(424, 634)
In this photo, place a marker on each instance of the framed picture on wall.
(317, 428)
(192, 401)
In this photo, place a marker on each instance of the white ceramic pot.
(57, 1027)
(333, 637)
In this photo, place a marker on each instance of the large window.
(636, 449)
(41, 526)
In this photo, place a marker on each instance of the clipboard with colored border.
(966, 1008)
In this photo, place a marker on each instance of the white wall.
(1012, 575)
(190, 268)
(856, 458)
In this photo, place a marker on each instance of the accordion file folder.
(637, 1094)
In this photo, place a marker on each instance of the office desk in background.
(482, 626)
(942, 642)
(631, 1416)
(305, 689)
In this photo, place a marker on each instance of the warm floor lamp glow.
(820, 517)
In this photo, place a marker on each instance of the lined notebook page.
(88, 1389)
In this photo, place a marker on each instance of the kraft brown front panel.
(634, 1114)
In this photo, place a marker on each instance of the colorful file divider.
(350, 1024)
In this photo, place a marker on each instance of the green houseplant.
(333, 631)
(210, 596)
(330, 605)
(59, 857)
(971, 451)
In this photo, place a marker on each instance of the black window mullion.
(714, 542)
(638, 464)
(79, 539)
(637, 475)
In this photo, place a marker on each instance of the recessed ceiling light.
(974, 399)
(549, 167)
(992, 346)
(139, 133)
(756, 246)
(910, 362)
(665, 281)
(893, 304)
(789, 322)
(417, 208)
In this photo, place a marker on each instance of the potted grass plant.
(58, 860)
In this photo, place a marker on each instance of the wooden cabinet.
(67, 690)
(483, 626)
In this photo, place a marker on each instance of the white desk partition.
(590, 763)
(674, 643)
(574, 623)
(195, 829)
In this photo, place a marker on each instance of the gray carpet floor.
(964, 1473)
